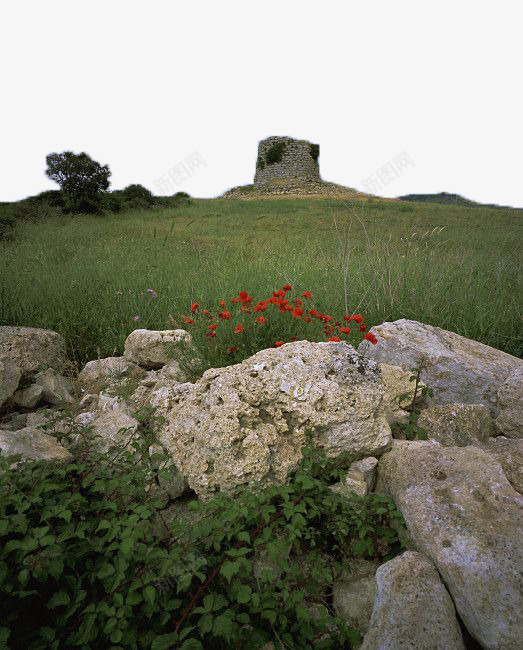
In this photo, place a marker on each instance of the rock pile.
(242, 427)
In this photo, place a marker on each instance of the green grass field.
(87, 276)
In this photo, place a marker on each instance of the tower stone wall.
(297, 159)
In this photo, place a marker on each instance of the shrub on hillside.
(275, 153)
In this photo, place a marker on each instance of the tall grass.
(87, 276)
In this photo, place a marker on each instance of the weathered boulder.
(353, 483)
(459, 370)
(55, 388)
(464, 515)
(33, 349)
(508, 452)
(100, 374)
(14, 421)
(368, 468)
(10, 375)
(244, 425)
(112, 427)
(353, 593)
(457, 425)
(412, 610)
(510, 405)
(152, 348)
(28, 398)
(32, 444)
(397, 382)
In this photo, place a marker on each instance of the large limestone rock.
(10, 375)
(412, 610)
(508, 452)
(101, 374)
(33, 349)
(32, 444)
(457, 425)
(464, 515)
(245, 425)
(152, 348)
(510, 405)
(459, 370)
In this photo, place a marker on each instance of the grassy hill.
(87, 276)
(450, 199)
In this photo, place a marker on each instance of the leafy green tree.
(81, 179)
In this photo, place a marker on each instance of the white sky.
(141, 86)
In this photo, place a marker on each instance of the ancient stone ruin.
(284, 157)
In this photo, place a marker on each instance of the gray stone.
(32, 444)
(464, 515)
(101, 374)
(457, 425)
(33, 349)
(412, 610)
(14, 422)
(244, 425)
(55, 388)
(354, 592)
(10, 375)
(115, 427)
(353, 483)
(508, 452)
(367, 467)
(29, 397)
(510, 405)
(154, 348)
(458, 370)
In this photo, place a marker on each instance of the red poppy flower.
(211, 334)
(194, 307)
(298, 302)
(288, 307)
(334, 339)
(297, 312)
(326, 318)
(222, 303)
(261, 319)
(244, 296)
(347, 318)
(345, 330)
(370, 337)
(261, 306)
(287, 287)
(278, 294)
(213, 326)
(278, 344)
(232, 349)
(238, 329)
(188, 320)
(314, 313)
(363, 328)
(233, 300)
(307, 294)
(358, 318)
(224, 315)
(307, 318)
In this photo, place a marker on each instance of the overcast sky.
(183, 91)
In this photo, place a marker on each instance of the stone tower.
(283, 157)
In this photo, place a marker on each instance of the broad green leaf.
(57, 599)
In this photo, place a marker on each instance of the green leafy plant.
(411, 429)
(275, 153)
(85, 549)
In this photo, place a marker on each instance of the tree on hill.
(81, 179)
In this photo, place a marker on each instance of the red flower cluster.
(332, 328)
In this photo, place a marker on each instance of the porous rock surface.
(244, 425)
(100, 374)
(459, 370)
(412, 609)
(33, 349)
(463, 514)
(10, 375)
